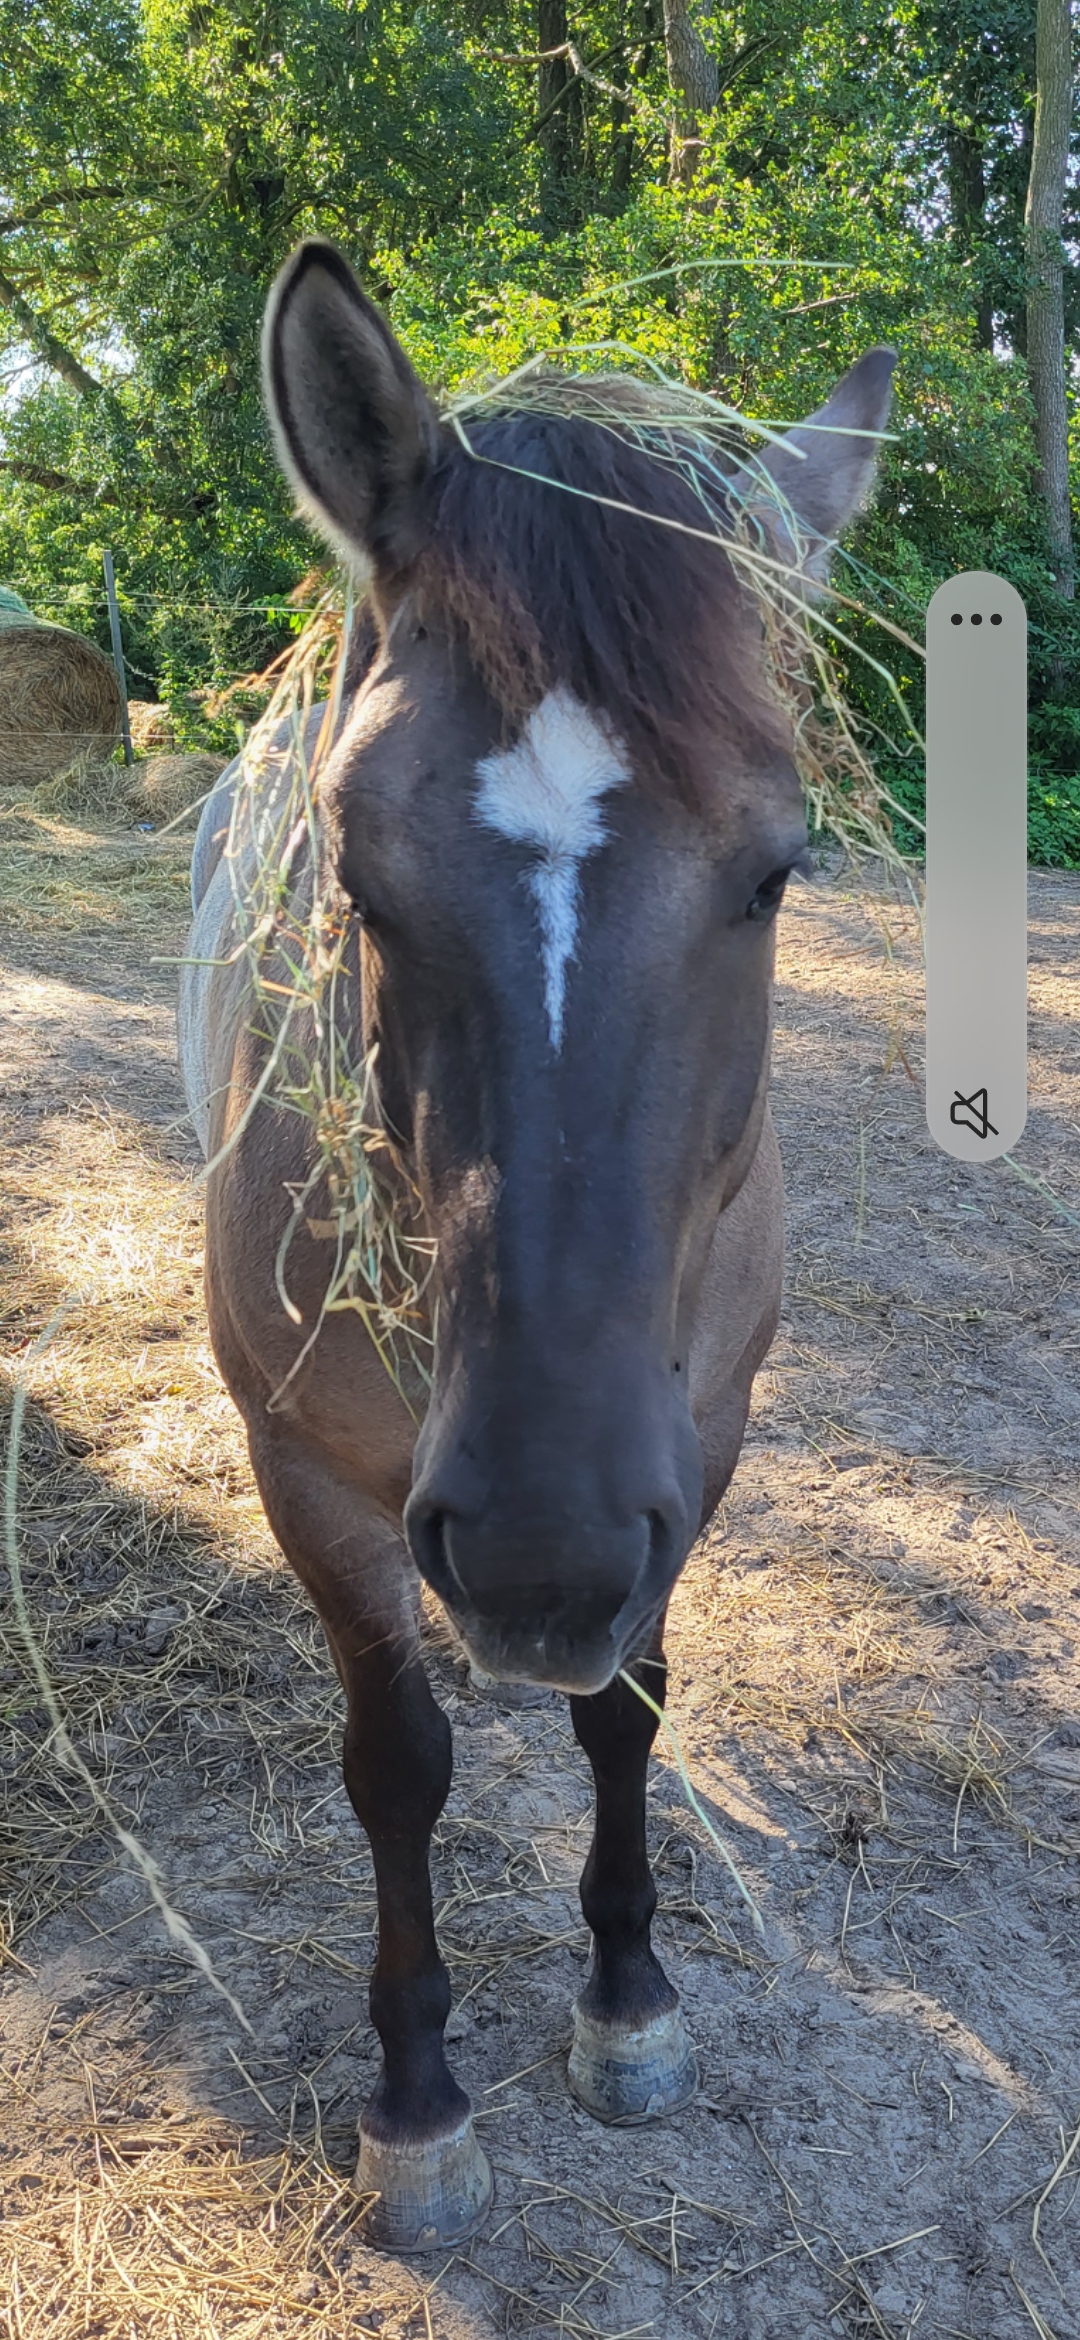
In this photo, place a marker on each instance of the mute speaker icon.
(972, 1113)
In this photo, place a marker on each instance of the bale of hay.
(14, 610)
(170, 784)
(59, 699)
(151, 727)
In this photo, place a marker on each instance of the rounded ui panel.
(976, 866)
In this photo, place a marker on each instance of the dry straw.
(174, 783)
(156, 789)
(296, 946)
(59, 699)
(703, 439)
(61, 1743)
(296, 938)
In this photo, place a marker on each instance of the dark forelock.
(647, 623)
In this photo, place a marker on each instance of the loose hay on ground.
(96, 788)
(155, 2231)
(60, 869)
(159, 788)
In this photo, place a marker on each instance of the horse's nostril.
(665, 1555)
(428, 1544)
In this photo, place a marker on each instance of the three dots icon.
(976, 619)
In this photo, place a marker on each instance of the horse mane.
(535, 564)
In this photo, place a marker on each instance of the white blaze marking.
(545, 792)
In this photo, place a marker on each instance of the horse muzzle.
(558, 1604)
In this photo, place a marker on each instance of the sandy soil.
(875, 1680)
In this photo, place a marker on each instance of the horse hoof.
(626, 2074)
(425, 2195)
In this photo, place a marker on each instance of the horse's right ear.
(355, 430)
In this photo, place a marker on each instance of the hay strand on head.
(296, 948)
(703, 439)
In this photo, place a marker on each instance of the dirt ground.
(874, 1677)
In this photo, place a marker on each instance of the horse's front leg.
(418, 2153)
(631, 2058)
(419, 2159)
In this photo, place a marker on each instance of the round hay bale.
(171, 783)
(151, 727)
(59, 698)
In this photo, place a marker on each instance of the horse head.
(564, 807)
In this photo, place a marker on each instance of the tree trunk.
(622, 148)
(967, 201)
(559, 111)
(1045, 299)
(695, 83)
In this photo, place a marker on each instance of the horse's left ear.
(831, 475)
(355, 430)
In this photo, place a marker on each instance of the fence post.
(118, 653)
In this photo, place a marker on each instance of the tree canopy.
(749, 195)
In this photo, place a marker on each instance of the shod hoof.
(426, 2195)
(622, 2074)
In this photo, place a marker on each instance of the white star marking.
(544, 792)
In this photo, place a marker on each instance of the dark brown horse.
(562, 807)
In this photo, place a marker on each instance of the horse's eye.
(769, 896)
(375, 923)
(770, 892)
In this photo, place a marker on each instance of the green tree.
(511, 175)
